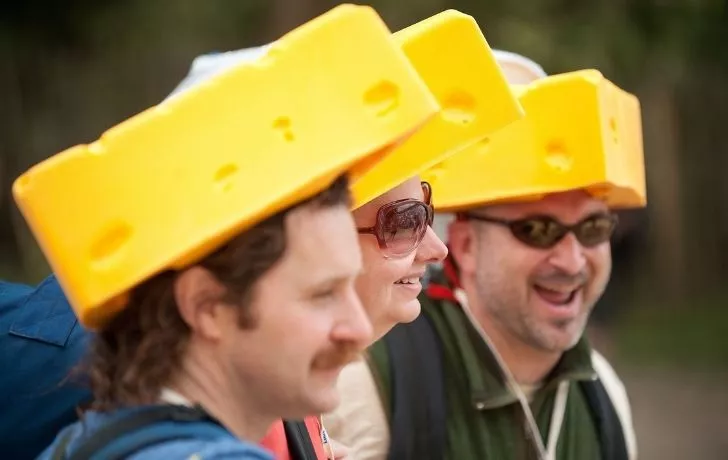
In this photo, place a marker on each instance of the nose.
(431, 249)
(568, 255)
(353, 324)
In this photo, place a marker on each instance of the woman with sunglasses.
(397, 243)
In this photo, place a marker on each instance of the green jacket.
(484, 419)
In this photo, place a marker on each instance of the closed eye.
(324, 294)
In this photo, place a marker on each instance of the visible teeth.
(556, 296)
(558, 290)
(407, 281)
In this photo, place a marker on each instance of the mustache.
(560, 278)
(337, 356)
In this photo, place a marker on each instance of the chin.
(562, 343)
(314, 402)
(324, 401)
(409, 311)
(404, 312)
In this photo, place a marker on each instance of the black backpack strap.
(133, 423)
(418, 401)
(609, 428)
(300, 446)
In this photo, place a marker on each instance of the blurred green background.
(69, 70)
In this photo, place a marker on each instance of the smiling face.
(388, 287)
(540, 298)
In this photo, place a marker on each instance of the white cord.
(557, 418)
(560, 404)
(325, 439)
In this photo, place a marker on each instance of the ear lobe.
(197, 294)
(461, 237)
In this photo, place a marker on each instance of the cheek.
(600, 262)
(393, 270)
(379, 271)
(300, 345)
(281, 312)
(507, 265)
(376, 282)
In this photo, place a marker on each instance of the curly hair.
(139, 351)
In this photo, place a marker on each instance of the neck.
(528, 365)
(202, 382)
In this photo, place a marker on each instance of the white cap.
(207, 66)
(518, 70)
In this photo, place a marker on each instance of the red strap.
(275, 441)
(446, 292)
(314, 430)
(440, 292)
(451, 272)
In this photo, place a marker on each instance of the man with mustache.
(497, 365)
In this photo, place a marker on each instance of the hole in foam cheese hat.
(580, 132)
(452, 56)
(169, 185)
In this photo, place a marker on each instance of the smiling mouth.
(408, 281)
(558, 297)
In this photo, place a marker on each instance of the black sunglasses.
(544, 232)
(401, 225)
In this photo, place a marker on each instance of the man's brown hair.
(135, 355)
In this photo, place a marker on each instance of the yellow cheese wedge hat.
(580, 132)
(171, 184)
(450, 53)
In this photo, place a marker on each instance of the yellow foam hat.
(171, 184)
(580, 132)
(453, 58)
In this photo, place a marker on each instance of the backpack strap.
(127, 435)
(300, 446)
(418, 401)
(606, 420)
(65, 437)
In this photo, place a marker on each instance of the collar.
(483, 367)
(173, 397)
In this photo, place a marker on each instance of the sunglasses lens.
(538, 232)
(596, 230)
(543, 232)
(403, 226)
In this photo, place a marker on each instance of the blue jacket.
(223, 447)
(40, 343)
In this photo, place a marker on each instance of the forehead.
(566, 206)
(321, 246)
(411, 188)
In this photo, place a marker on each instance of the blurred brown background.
(71, 69)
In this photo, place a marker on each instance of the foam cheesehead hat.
(452, 56)
(581, 132)
(171, 184)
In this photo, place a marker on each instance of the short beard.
(508, 311)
